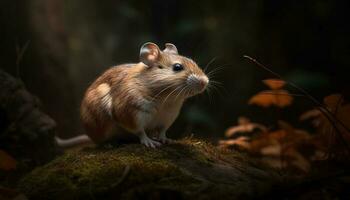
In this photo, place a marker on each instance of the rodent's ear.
(170, 48)
(149, 53)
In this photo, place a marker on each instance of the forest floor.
(190, 168)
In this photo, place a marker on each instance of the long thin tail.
(66, 143)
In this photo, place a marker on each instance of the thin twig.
(209, 63)
(20, 52)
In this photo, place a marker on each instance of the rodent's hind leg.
(163, 138)
(148, 142)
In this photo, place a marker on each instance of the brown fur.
(133, 89)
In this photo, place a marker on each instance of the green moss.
(186, 169)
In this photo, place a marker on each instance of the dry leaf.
(272, 150)
(280, 148)
(7, 162)
(298, 160)
(326, 129)
(344, 116)
(242, 142)
(277, 135)
(274, 84)
(245, 126)
(291, 158)
(332, 101)
(293, 135)
(279, 98)
(289, 147)
(310, 114)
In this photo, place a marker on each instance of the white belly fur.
(164, 116)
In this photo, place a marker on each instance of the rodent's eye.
(177, 67)
(160, 67)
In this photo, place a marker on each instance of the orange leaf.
(310, 114)
(244, 126)
(343, 114)
(262, 99)
(283, 98)
(333, 100)
(278, 134)
(293, 136)
(271, 150)
(279, 98)
(7, 162)
(274, 84)
(261, 142)
(242, 142)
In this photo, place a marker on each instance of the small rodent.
(142, 98)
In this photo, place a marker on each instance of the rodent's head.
(170, 74)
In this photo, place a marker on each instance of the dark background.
(69, 43)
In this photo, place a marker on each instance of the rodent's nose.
(203, 82)
(198, 82)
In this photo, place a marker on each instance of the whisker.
(216, 89)
(217, 85)
(216, 70)
(164, 90)
(208, 93)
(180, 92)
(215, 82)
(209, 63)
(187, 92)
(178, 87)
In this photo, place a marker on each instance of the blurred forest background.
(67, 44)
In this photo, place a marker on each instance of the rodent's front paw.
(150, 143)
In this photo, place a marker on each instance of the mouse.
(141, 98)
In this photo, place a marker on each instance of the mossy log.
(188, 169)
